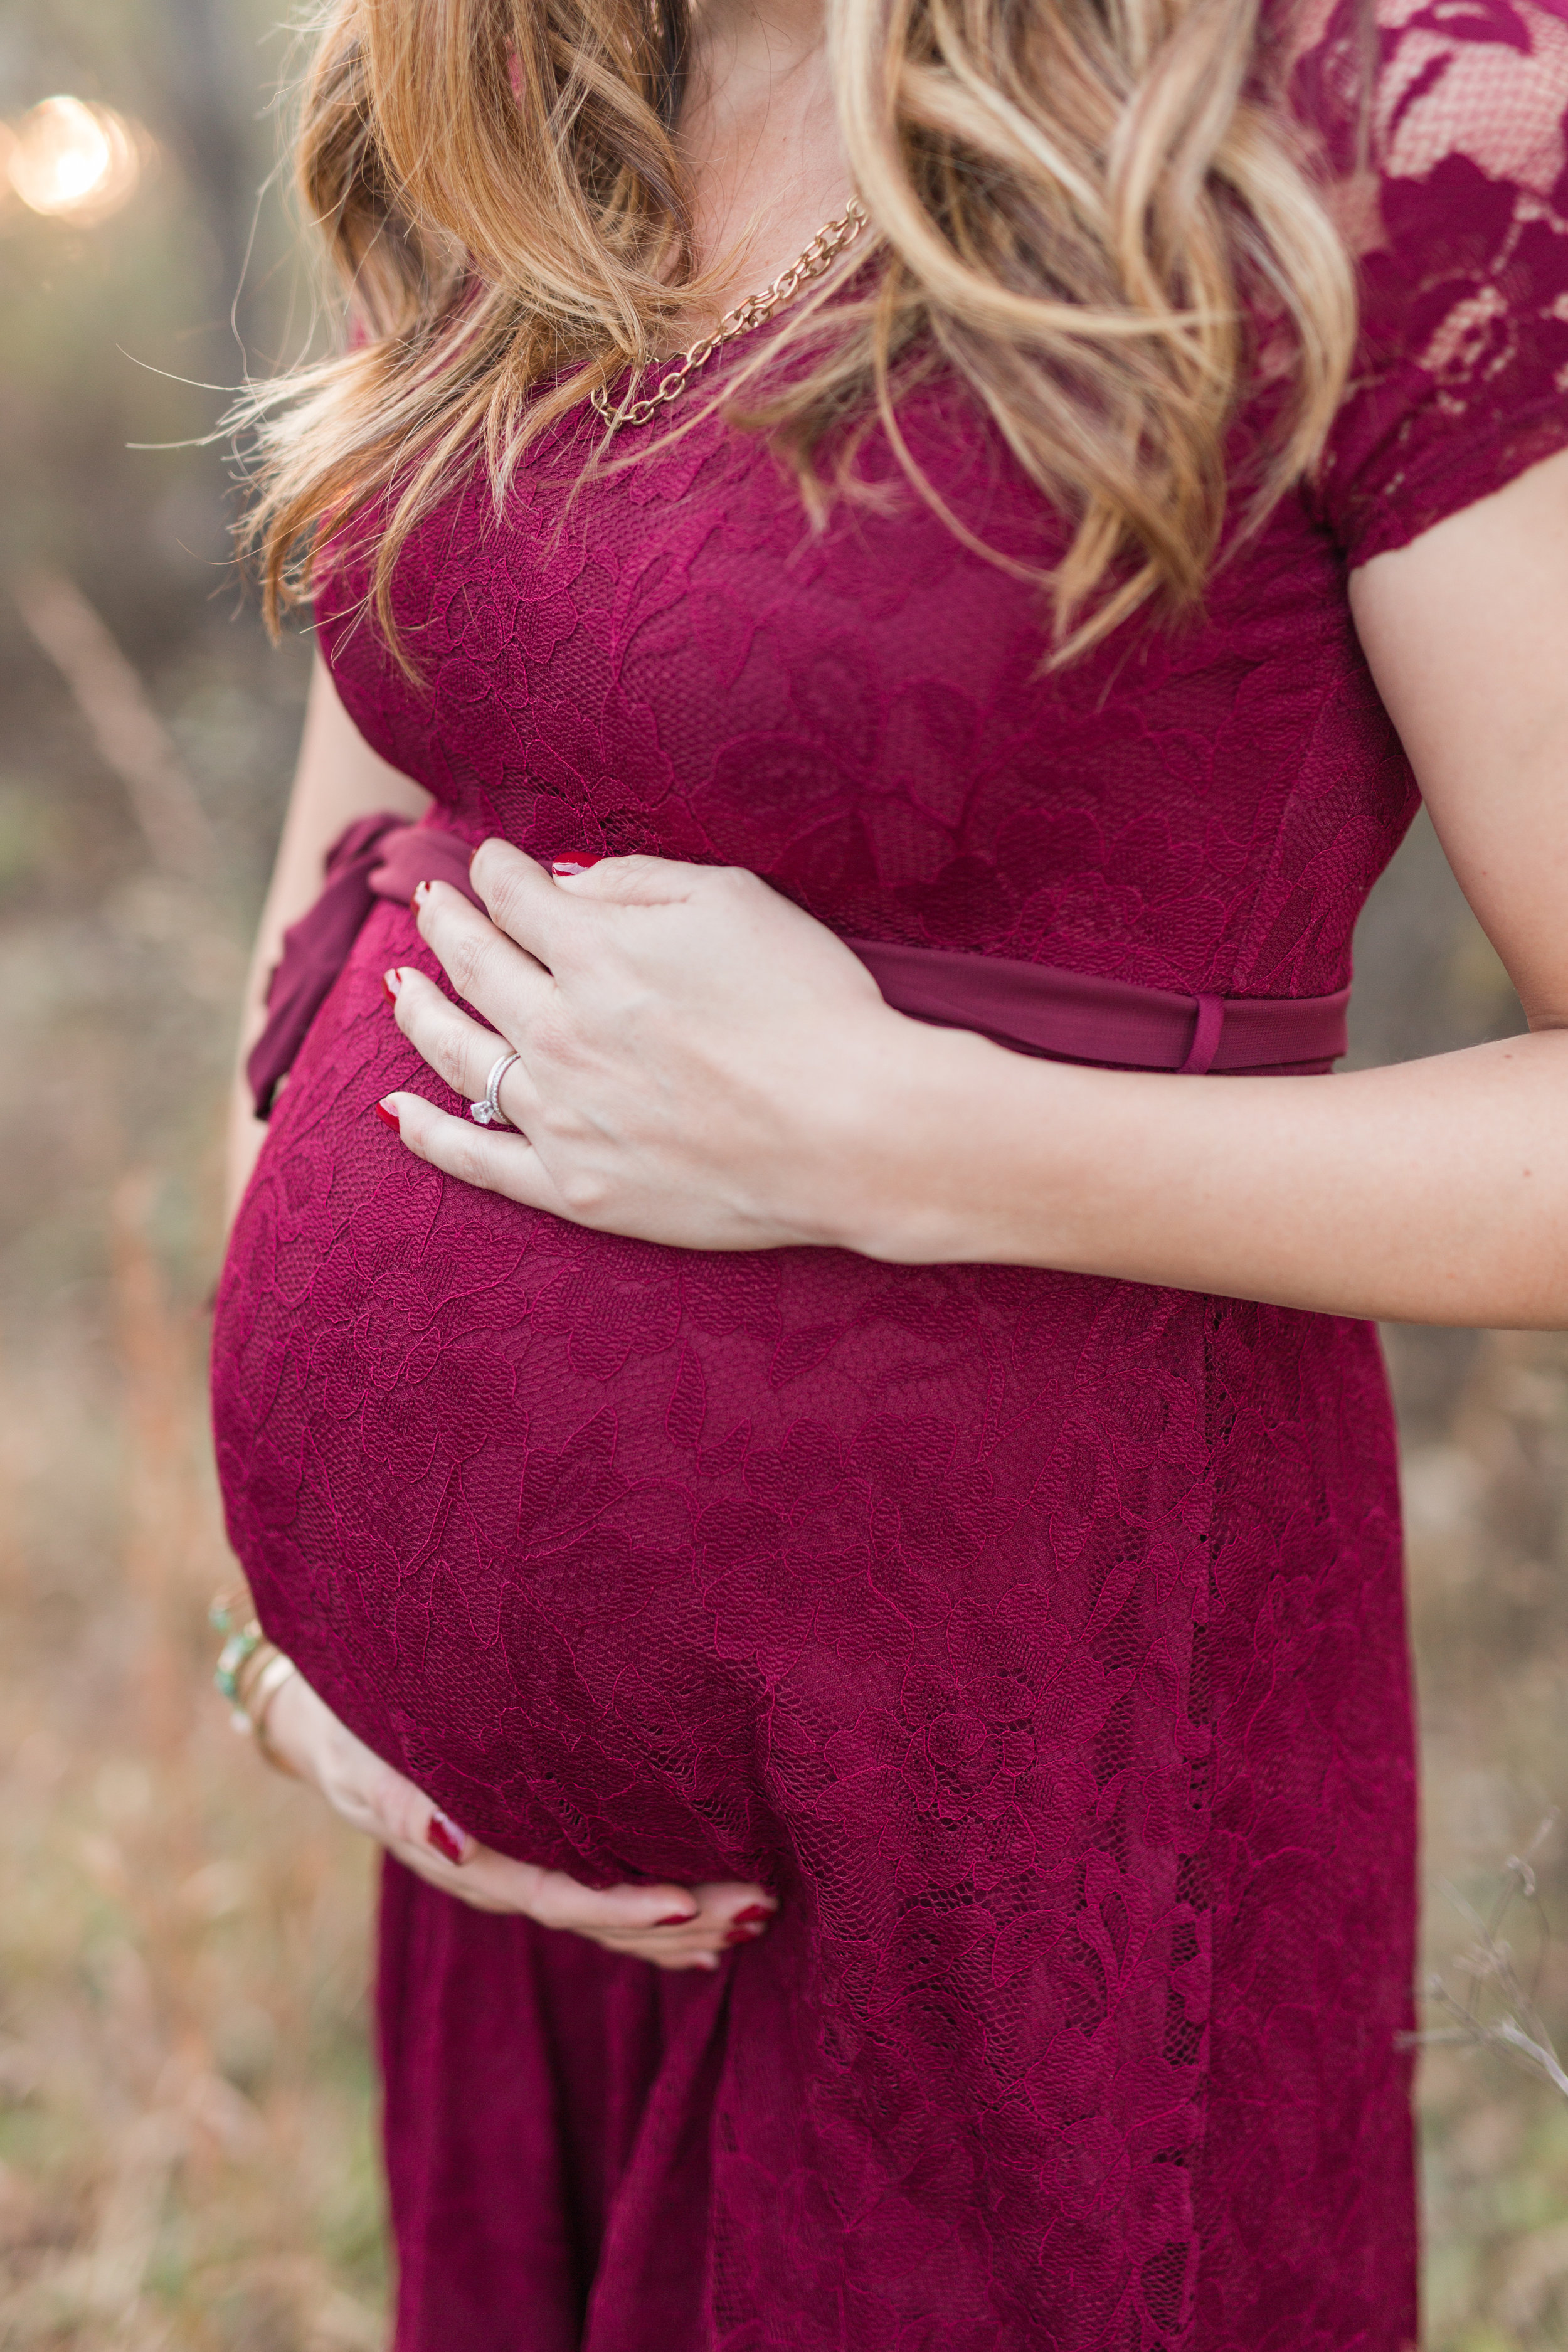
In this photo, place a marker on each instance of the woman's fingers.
(546, 921)
(672, 1926)
(563, 1902)
(458, 1047)
(720, 1918)
(527, 903)
(557, 1901)
(634, 880)
(491, 969)
(486, 1157)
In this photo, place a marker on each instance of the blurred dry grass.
(184, 2127)
(186, 2108)
(1489, 1546)
(185, 2100)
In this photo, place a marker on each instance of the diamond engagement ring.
(487, 1110)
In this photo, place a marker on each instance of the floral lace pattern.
(1039, 1639)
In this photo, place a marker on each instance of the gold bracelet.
(278, 1670)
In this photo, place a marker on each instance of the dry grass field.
(185, 2105)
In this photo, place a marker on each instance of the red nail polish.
(413, 902)
(390, 984)
(389, 1116)
(446, 1838)
(575, 865)
(677, 1919)
(739, 1936)
(752, 1911)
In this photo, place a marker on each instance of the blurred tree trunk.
(207, 81)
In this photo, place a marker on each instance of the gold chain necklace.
(823, 249)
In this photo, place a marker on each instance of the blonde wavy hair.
(1083, 209)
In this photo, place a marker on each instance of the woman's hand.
(700, 1063)
(673, 1927)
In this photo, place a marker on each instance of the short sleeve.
(1452, 186)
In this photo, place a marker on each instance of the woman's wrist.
(929, 1136)
(250, 1673)
(1409, 1193)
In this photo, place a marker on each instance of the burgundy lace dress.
(1039, 1639)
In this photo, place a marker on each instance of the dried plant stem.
(1497, 2013)
(132, 740)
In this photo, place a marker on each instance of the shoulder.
(1440, 135)
(1398, 94)
(1484, 82)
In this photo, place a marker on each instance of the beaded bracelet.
(250, 1673)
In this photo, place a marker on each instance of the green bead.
(232, 1657)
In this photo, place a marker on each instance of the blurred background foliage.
(186, 2100)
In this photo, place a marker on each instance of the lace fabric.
(1039, 1639)
(1452, 188)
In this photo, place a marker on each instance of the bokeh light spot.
(73, 160)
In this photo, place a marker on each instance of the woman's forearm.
(1431, 1191)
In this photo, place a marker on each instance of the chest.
(673, 660)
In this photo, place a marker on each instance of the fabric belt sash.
(1062, 1016)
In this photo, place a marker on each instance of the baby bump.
(653, 1562)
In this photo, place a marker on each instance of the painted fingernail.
(392, 982)
(753, 1911)
(446, 1838)
(418, 888)
(389, 1116)
(739, 1936)
(676, 1919)
(564, 866)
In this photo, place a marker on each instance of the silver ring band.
(487, 1110)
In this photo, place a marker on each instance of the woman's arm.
(702, 1065)
(339, 778)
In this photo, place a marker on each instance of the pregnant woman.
(844, 1532)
